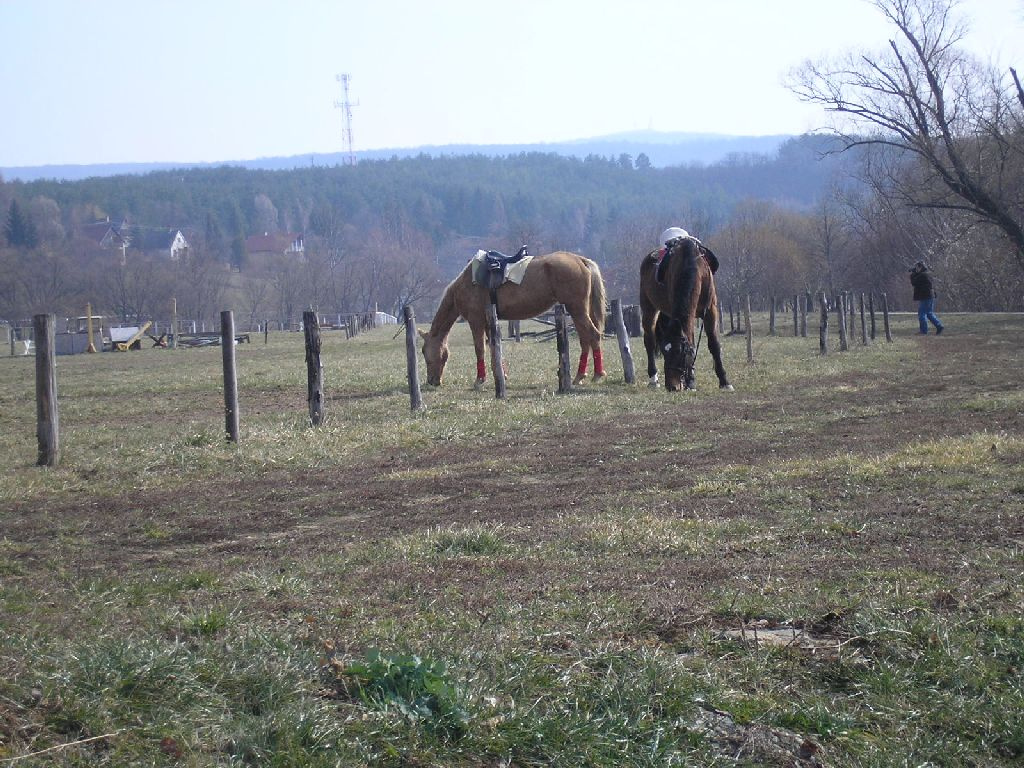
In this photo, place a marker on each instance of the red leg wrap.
(582, 371)
(598, 363)
(481, 370)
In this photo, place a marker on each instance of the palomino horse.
(556, 278)
(687, 292)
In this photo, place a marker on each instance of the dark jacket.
(922, 282)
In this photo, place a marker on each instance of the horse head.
(435, 354)
(677, 351)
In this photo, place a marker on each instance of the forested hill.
(661, 150)
(442, 196)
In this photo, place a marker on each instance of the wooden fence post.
(90, 346)
(562, 342)
(841, 316)
(796, 316)
(803, 316)
(47, 420)
(885, 318)
(314, 368)
(619, 325)
(863, 323)
(227, 343)
(412, 371)
(871, 313)
(173, 337)
(497, 368)
(771, 316)
(721, 320)
(823, 329)
(750, 334)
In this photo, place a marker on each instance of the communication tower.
(346, 107)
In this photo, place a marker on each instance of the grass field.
(824, 567)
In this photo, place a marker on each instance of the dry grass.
(549, 580)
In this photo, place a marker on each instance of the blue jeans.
(926, 312)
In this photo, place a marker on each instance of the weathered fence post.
(619, 325)
(47, 421)
(172, 341)
(885, 318)
(89, 347)
(863, 323)
(497, 366)
(314, 369)
(871, 313)
(823, 330)
(841, 316)
(771, 316)
(227, 343)
(266, 331)
(853, 311)
(415, 398)
(803, 316)
(796, 316)
(750, 333)
(721, 320)
(732, 320)
(562, 342)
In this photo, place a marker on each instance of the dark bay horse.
(556, 278)
(686, 292)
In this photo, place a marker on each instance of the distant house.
(158, 241)
(276, 244)
(105, 234)
(167, 242)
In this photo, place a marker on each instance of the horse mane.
(446, 313)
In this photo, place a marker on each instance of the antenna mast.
(346, 107)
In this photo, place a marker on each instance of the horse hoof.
(727, 388)
(478, 384)
(579, 380)
(600, 377)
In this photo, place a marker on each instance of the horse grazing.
(686, 292)
(555, 278)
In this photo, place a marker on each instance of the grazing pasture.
(824, 567)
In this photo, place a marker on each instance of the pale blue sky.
(208, 80)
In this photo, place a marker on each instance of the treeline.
(389, 232)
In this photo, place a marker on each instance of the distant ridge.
(662, 149)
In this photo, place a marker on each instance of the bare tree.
(255, 292)
(200, 283)
(926, 97)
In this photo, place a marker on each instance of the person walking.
(924, 295)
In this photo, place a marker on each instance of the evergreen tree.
(19, 229)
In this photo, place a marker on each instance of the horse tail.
(686, 280)
(597, 296)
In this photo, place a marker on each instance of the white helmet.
(673, 233)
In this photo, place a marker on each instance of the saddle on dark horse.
(705, 252)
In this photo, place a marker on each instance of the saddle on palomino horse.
(493, 269)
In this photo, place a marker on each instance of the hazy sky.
(208, 80)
